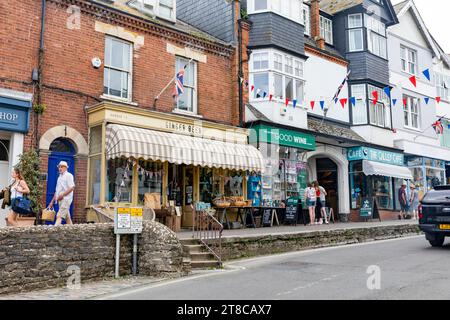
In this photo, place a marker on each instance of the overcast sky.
(436, 14)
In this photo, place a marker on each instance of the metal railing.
(208, 230)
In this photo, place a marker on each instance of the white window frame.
(194, 110)
(361, 102)
(141, 5)
(376, 37)
(408, 112)
(273, 72)
(290, 9)
(442, 83)
(382, 109)
(306, 16)
(355, 29)
(130, 72)
(407, 62)
(326, 29)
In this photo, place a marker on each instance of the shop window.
(150, 177)
(358, 184)
(95, 179)
(234, 184)
(119, 180)
(382, 191)
(95, 140)
(209, 184)
(4, 150)
(435, 177)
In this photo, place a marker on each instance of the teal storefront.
(376, 174)
(286, 173)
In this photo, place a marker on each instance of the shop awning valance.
(131, 142)
(371, 168)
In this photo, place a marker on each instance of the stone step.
(194, 248)
(204, 264)
(189, 241)
(203, 256)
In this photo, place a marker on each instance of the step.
(203, 256)
(189, 241)
(194, 248)
(204, 264)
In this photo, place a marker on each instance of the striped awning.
(137, 143)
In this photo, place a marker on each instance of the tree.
(29, 164)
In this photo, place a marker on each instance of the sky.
(435, 13)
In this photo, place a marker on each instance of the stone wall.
(39, 257)
(251, 246)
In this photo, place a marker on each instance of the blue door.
(60, 150)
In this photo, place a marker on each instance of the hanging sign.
(282, 137)
(363, 153)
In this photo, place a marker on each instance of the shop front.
(427, 173)
(14, 123)
(285, 160)
(376, 175)
(179, 161)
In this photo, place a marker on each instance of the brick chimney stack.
(315, 24)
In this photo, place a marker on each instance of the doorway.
(327, 176)
(60, 150)
(181, 190)
(5, 175)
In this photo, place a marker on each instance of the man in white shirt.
(63, 194)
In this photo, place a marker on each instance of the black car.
(434, 215)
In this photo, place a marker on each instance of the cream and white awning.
(371, 168)
(131, 142)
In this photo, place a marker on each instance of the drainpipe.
(241, 75)
(40, 70)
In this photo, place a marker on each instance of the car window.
(441, 195)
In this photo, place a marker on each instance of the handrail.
(208, 230)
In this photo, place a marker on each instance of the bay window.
(326, 29)
(409, 60)
(359, 111)
(291, 9)
(411, 112)
(278, 74)
(355, 33)
(376, 36)
(380, 113)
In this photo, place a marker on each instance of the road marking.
(235, 267)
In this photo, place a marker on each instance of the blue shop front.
(376, 174)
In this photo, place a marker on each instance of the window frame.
(374, 36)
(359, 29)
(306, 19)
(407, 61)
(323, 23)
(194, 88)
(440, 81)
(129, 72)
(287, 10)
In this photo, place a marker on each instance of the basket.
(239, 203)
(222, 204)
(48, 215)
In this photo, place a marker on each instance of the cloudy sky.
(436, 14)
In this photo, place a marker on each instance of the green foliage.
(29, 165)
(244, 14)
(39, 108)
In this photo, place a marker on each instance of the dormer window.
(164, 9)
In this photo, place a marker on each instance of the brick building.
(110, 59)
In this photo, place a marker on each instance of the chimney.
(315, 24)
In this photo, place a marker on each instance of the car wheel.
(438, 241)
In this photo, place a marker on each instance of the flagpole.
(335, 96)
(168, 85)
(415, 138)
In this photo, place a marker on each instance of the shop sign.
(14, 115)
(184, 128)
(128, 220)
(366, 209)
(282, 137)
(363, 153)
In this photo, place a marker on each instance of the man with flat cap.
(63, 194)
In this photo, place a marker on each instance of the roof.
(399, 6)
(335, 6)
(178, 25)
(330, 129)
(328, 49)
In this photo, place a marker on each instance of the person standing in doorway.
(19, 188)
(63, 194)
(402, 198)
(321, 195)
(311, 199)
(414, 202)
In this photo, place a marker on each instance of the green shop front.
(285, 159)
(376, 175)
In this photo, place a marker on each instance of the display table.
(269, 215)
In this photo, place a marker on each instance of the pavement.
(400, 269)
(279, 230)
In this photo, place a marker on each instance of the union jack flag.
(336, 96)
(438, 127)
(179, 84)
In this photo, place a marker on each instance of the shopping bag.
(48, 215)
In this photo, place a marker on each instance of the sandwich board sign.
(128, 220)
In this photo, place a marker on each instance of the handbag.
(22, 206)
(48, 215)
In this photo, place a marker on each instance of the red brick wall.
(71, 83)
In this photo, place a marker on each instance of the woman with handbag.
(19, 188)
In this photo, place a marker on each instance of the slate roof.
(328, 49)
(331, 129)
(334, 6)
(123, 5)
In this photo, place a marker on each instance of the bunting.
(322, 105)
(312, 103)
(413, 80)
(343, 102)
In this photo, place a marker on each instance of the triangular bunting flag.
(264, 94)
(343, 102)
(336, 100)
(253, 88)
(427, 100)
(322, 104)
(426, 73)
(387, 90)
(375, 97)
(405, 102)
(413, 81)
(353, 101)
(438, 99)
(246, 84)
(270, 97)
(294, 102)
(313, 103)
(394, 101)
(287, 102)
(258, 91)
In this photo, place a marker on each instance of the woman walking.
(321, 194)
(311, 198)
(19, 188)
(414, 202)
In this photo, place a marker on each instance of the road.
(409, 269)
